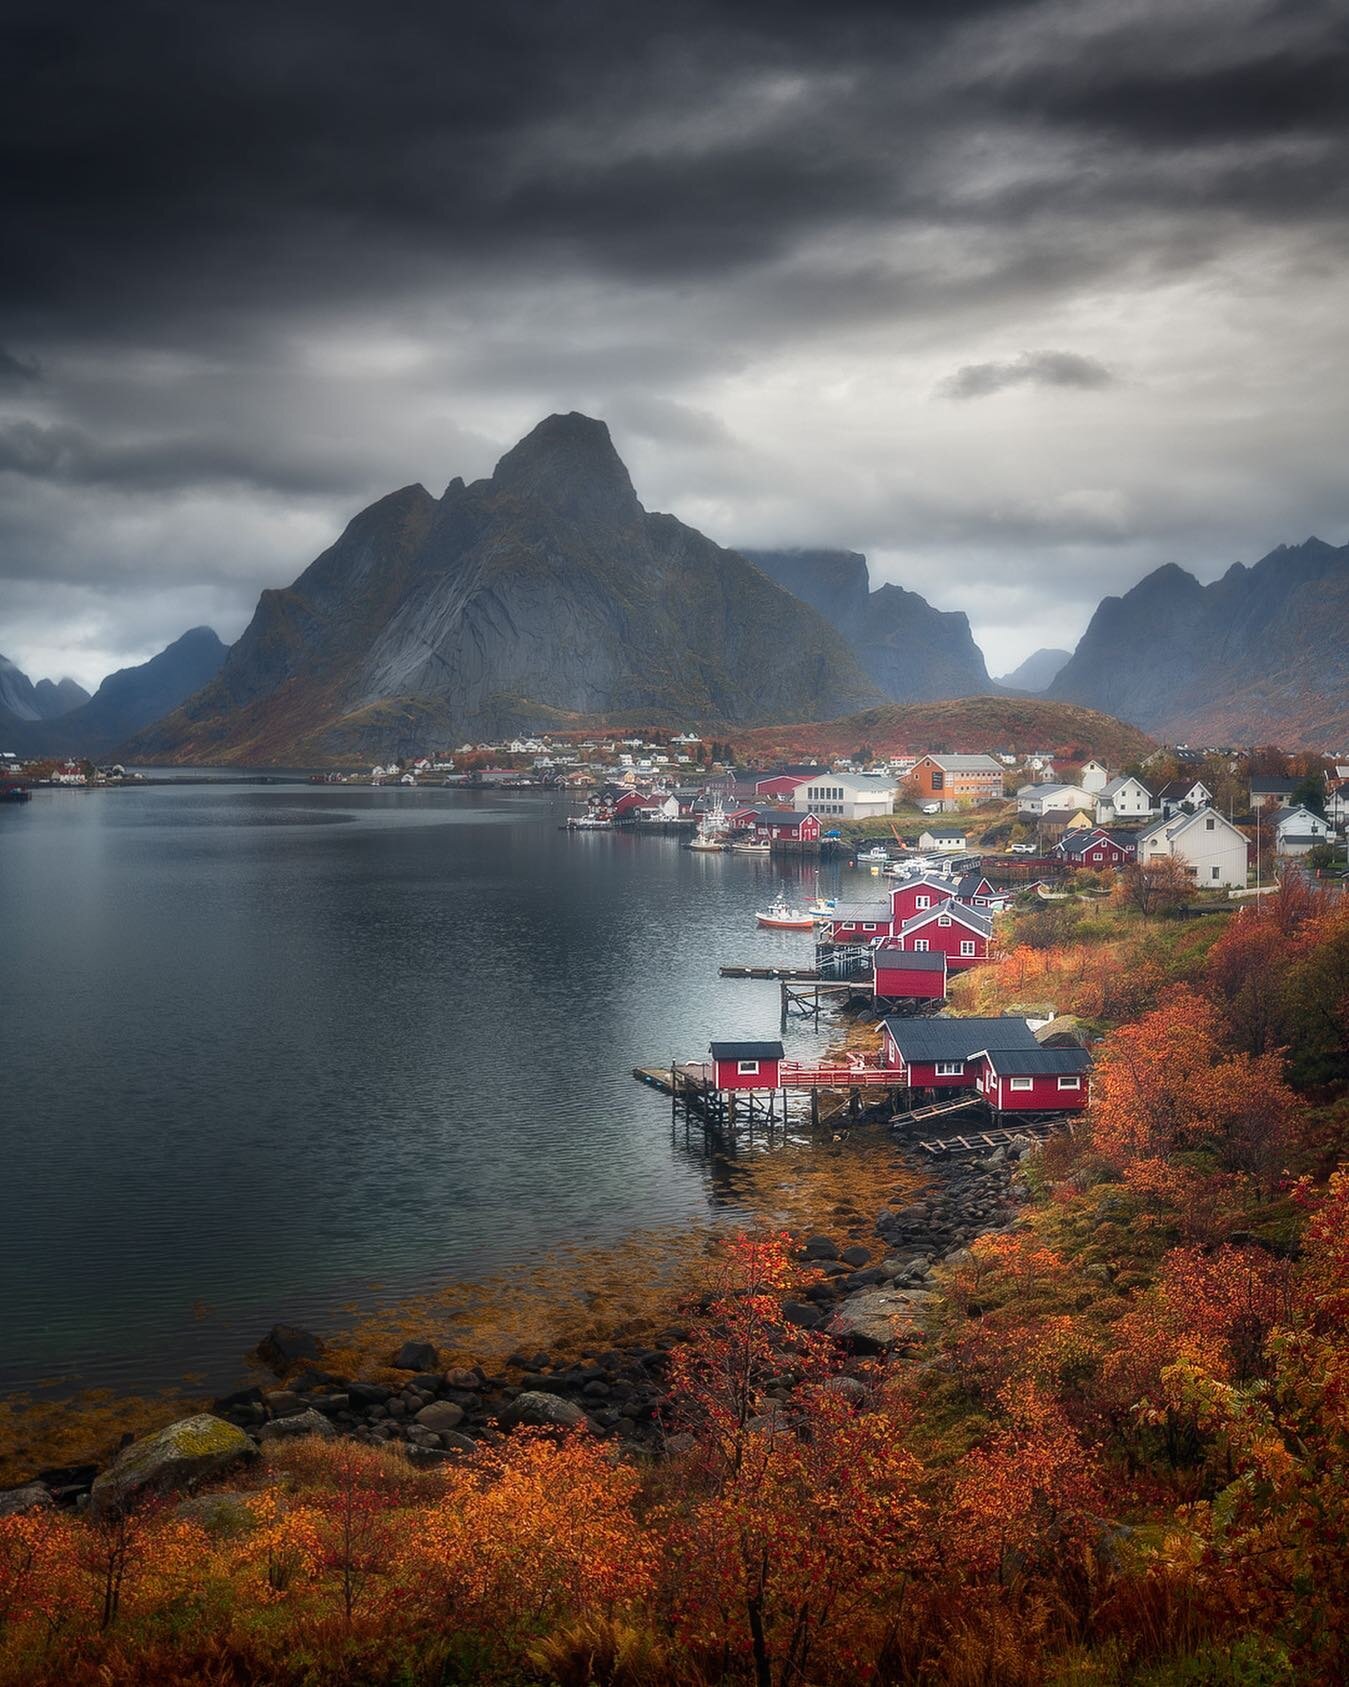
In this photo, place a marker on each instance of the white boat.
(588, 823)
(823, 907)
(782, 917)
(877, 852)
(751, 846)
(711, 833)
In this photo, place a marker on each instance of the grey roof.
(1036, 1062)
(746, 1051)
(1273, 786)
(780, 816)
(967, 764)
(974, 918)
(878, 911)
(957, 1039)
(1281, 814)
(891, 955)
(1117, 785)
(970, 882)
(1175, 789)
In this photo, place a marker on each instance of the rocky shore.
(872, 1299)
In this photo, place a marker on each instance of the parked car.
(931, 808)
(1022, 849)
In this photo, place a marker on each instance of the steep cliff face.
(915, 653)
(1257, 655)
(541, 595)
(125, 702)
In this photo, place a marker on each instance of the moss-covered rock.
(173, 1460)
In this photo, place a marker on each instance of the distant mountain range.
(543, 596)
(547, 596)
(125, 702)
(1258, 656)
(913, 652)
(22, 700)
(1037, 673)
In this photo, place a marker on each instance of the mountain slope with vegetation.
(1015, 724)
(544, 596)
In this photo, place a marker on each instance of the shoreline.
(871, 1296)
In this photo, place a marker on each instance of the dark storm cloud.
(1031, 368)
(14, 368)
(267, 256)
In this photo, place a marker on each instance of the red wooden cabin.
(917, 896)
(746, 1066)
(1037, 1080)
(946, 1054)
(1098, 849)
(961, 934)
(780, 784)
(783, 825)
(857, 922)
(903, 975)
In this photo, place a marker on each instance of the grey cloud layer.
(264, 262)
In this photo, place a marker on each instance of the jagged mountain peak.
(568, 462)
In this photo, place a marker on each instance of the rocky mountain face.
(913, 652)
(21, 700)
(1038, 672)
(1258, 656)
(125, 702)
(544, 595)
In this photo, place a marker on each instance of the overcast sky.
(1020, 299)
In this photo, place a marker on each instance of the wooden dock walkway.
(796, 974)
(980, 1142)
(937, 1110)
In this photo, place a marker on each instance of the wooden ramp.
(980, 1142)
(797, 974)
(937, 1110)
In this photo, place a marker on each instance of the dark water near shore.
(262, 1048)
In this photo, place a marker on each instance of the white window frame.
(747, 1068)
(950, 1069)
(922, 902)
(920, 945)
(943, 919)
(1022, 1083)
(1070, 1083)
(967, 945)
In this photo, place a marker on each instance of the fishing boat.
(877, 853)
(751, 846)
(711, 833)
(781, 917)
(822, 908)
(588, 823)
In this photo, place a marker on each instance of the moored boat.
(782, 917)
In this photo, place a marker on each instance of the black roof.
(746, 1051)
(970, 882)
(1272, 783)
(957, 1039)
(1036, 1062)
(910, 960)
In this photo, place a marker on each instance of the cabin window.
(1209, 826)
(1214, 872)
(920, 946)
(943, 919)
(1070, 1083)
(868, 928)
(1023, 1083)
(967, 945)
(922, 901)
(747, 1068)
(950, 1068)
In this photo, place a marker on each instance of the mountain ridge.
(543, 593)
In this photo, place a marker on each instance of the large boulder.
(296, 1427)
(535, 1410)
(440, 1415)
(173, 1460)
(285, 1346)
(416, 1356)
(878, 1319)
(33, 1496)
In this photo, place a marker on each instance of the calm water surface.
(262, 1047)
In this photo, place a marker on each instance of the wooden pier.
(798, 974)
(981, 1142)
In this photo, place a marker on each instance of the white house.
(1212, 848)
(845, 796)
(1125, 798)
(1051, 799)
(1337, 803)
(1094, 776)
(943, 838)
(1181, 794)
(1297, 830)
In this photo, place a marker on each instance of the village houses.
(1298, 830)
(1205, 843)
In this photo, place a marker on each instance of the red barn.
(916, 896)
(902, 975)
(780, 784)
(783, 825)
(631, 803)
(961, 934)
(746, 1066)
(1034, 1080)
(857, 922)
(1098, 850)
(947, 1054)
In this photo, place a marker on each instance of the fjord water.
(263, 1047)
